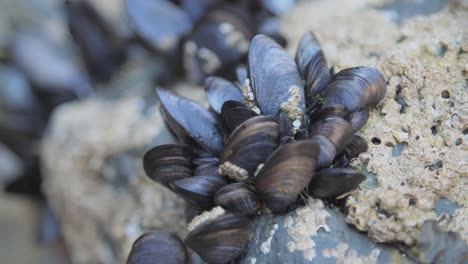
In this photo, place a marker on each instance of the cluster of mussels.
(288, 129)
(213, 33)
(211, 36)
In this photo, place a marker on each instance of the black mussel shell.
(158, 247)
(249, 145)
(160, 24)
(327, 150)
(206, 166)
(97, 41)
(60, 78)
(358, 119)
(221, 239)
(199, 190)
(190, 121)
(333, 182)
(239, 198)
(336, 129)
(313, 67)
(234, 113)
(168, 163)
(286, 173)
(274, 79)
(356, 88)
(219, 41)
(219, 91)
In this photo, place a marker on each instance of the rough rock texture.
(415, 163)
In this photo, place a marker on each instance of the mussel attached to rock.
(158, 247)
(168, 163)
(261, 147)
(238, 197)
(286, 173)
(218, 236)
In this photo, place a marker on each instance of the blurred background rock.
(93, 199)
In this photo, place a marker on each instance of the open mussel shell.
(313, 66)
(250, 144)
(221, 239)
(219, 41)
(358, 119)
(333, 182)
(238, 197)
(336, 129)
(286, 173)
(60, 78)
(158, 247)
(356, 88)
(160, 24)
(274, 79)
(199, 190)
(190, 121)
(219, 91)
(234, 113)
(206, 166)
(97, 41)
(168, 163)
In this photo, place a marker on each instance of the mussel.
(286, 173)
(249, 145)
(332, 182)
(168, 163)
(219, 238)
(203, 129)
(158, 247)
(238, 197)
(199, 190)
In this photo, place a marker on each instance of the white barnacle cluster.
(205, 216)
(249, 97)
(234, 38)
(305, 226)
(233, 171)
(291, 107)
